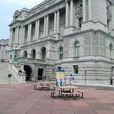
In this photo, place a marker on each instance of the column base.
(69, 30)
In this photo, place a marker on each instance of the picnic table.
(43, 86)
(69, 91)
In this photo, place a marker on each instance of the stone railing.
(14, 71)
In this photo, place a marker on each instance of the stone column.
(58, 17)
(37, 29)
(90, 9)
(67, 13)
(71, 13)
(55, 22)
(84, 10)
(47, 25)
(29, 33)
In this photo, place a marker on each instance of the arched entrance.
(28, 72)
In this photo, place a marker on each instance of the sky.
(7, 9)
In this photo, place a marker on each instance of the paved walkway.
(22, 99)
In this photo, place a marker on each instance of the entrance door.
(28, 72)
(40, 73)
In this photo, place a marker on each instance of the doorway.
(28, 72)
(40, 73)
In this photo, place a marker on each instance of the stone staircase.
(4, 71)
(14, 71)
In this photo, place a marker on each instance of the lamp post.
(14, 54)
(85, 74)
(9, 78)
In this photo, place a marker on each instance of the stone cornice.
(35, 42)
(86, 31)
(44, 6)
(86, 60)
(43, 10)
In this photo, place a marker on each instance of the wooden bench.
(44, 86)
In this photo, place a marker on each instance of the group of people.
(65, 80)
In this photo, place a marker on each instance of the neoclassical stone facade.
(4, 56)
(76, 35)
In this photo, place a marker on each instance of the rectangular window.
(75, 67)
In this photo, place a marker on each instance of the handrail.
(14, 71)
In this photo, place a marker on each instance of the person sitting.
(19, 72)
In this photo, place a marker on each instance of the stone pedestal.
(69, 30)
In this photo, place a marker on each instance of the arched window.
(33, 53)
(43, 53)
(110, 48)
(60, 53)
(77, 47)
(25, 54)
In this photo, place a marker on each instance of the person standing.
(111, 80)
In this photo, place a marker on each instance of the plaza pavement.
(23, 99)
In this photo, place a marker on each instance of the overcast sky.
(7, 9)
